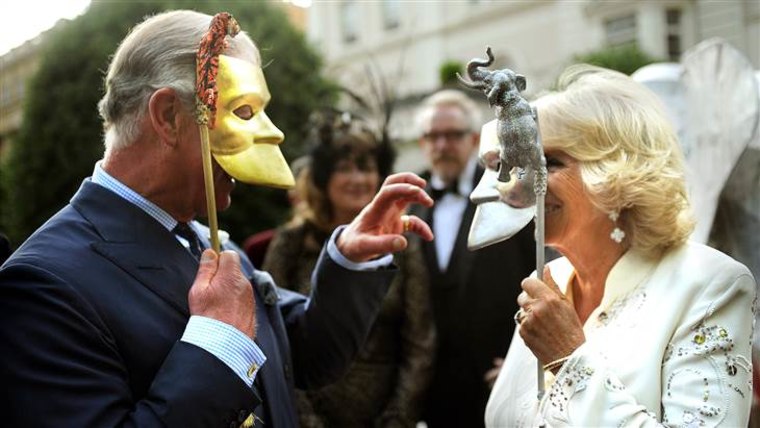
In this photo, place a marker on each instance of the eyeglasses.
(450, 135)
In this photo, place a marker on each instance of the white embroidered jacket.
(669, 345)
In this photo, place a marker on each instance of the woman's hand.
(549, 324)
(378, 228)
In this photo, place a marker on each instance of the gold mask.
(244, 141)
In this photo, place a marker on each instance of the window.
(391, 13)
(348, 17)
(621, 31)
(673, 31)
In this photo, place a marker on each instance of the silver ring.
(519, 316)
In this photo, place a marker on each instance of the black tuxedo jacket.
(474, 302)
(92, 308)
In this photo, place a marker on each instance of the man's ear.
(164, 112)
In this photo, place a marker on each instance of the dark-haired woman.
(387, 380)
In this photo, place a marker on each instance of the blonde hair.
(629, 157)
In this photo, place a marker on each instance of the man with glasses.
(471, 291)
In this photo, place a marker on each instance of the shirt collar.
(102, 178)
(629, 272)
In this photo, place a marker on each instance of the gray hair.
(449, 97)
(158, 53)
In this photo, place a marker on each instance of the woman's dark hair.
(337, 136)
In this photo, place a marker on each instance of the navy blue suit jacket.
(92, 307)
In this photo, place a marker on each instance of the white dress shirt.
(448, 212)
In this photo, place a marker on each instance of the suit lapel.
(138, 244)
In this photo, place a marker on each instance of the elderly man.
(472, 292)
(111, 314)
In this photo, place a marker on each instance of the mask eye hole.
(244, 112)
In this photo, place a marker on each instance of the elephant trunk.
(470, 84)
(475, 72)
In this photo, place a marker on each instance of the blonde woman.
(634, 326)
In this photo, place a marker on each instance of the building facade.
(16, 68)
(408, 41)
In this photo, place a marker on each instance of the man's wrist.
(335, 254)
(226, 343)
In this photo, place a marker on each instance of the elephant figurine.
(517, 127)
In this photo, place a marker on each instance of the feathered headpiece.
(337, 135)
(207, 66)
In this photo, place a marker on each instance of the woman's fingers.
(398, 195)
(405, 177)
(418, 226)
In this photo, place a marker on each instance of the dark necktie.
(452, 188)
(185, 231)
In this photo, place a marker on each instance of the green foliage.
(448, 72)
(625, 59)
(61, 135)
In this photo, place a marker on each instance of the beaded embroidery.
(629, 303)
(613, 384)
(715, 343)
(570, 382)
(691, 420)
(707, 341)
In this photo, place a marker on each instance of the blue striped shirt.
(228, 344)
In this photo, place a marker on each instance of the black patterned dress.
(387, 381)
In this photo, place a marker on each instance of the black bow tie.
(452, 188)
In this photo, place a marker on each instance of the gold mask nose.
(269, 133)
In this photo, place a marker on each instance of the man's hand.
(378, 228)
(221, 292)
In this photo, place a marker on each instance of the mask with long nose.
(503, 209)
(244, 141)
